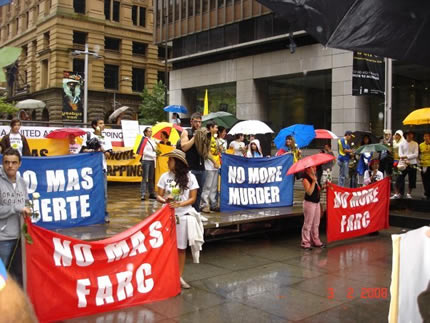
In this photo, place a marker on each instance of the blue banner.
(252, 183)
(71, 189)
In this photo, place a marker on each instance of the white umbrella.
(30, 104)
(117, 112)
(250, 127)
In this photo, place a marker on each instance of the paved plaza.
(265, 278)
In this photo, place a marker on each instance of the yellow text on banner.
(48, 147)
(124, 165)
(161, 163)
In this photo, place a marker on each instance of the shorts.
(182, 232)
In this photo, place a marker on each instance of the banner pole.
(388, 92)
(23, 258)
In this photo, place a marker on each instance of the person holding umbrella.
(290, 148)
(175, 118)
(15, 140)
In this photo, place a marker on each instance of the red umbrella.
(64, 133)
(324, 134)
(313, 160)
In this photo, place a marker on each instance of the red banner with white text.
(354, 212)
(70, 278)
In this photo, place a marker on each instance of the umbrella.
(173, 130)
(30, 104)
(389, 28)
(303, 134)
(221, 118)
(324, 134)
(8, 56)
(418, 117)
(358, 137)
(176, 108)
(250, 127)
(371, 148)
(65, 133)
(117, 112)
(313, 160)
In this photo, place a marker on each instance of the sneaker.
(408, 196)
(206, 210)
(107, 220)
(322, 246)
(184, 284)
(203, 218)
(142, 198)
(395, 197)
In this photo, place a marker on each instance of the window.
(79, 6)
(112, 43)
(44, 76)
(160, 76)
(205, 5)
(138, 82)
(134, 15)
(107, 9)
(111, 77)
(197, 7)
(184, 9)
(46, 40)
(190, 8)
(142, 16)
(115, 16)
(139, 48)
(78, 65)
(79, 37)
(24, 51)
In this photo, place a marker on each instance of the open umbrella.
(173, 130)
(176, 108)
(371, 148)
(221, 118)
(30, 104)
(418, 117)
(65, 133)
(250, 127)
(303, 134)
(389, 28)
(324, 134)
(117, 112)
(8, 55)
(313, 160)
(358, 137)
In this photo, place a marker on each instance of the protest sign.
(250, 183)
(48, 147)
(124, 166)
(71, 189)
(68, 278)
(354, 212)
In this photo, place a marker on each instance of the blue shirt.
(342, 145)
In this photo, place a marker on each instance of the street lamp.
(85, 52)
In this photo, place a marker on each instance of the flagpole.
(388, 93)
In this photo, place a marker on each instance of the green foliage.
(151, 109)
(6, 108)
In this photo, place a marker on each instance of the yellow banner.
(48, 147)
(124, 165)
(161, 163)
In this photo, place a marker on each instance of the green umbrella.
(371, 148)
(8, 55)
(221, 118)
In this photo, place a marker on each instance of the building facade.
(49, 33)
(255, 65)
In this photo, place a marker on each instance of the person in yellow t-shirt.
(212, 164)
(425, 164)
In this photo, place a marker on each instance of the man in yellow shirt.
(425, 164)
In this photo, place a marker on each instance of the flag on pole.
(206, 104)
(139, 144)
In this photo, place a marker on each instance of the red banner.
(69, 278)
(353, 212)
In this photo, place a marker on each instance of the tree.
(6, 108)
(151, 109)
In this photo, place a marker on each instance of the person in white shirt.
(175, 119)
(98, 142)
(148, 165)
(408, 154)
(15, 140)
(373, 174)
(74, 147)
(238, 145)
(178, 187)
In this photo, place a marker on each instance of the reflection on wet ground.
(268, 278)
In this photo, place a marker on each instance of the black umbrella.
(359, 135)
(398, 29)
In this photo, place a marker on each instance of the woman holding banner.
(311, 210)
(178, 187)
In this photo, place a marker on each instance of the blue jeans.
(148, 174)
(6, 250)
(200, 176)
(343, 172)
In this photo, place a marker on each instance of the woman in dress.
(178, 187)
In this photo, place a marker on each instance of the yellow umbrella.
(173, 130)
(417, 117)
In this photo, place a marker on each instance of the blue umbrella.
(176, 108)
(303, 134)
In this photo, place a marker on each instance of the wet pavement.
(266, 278)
